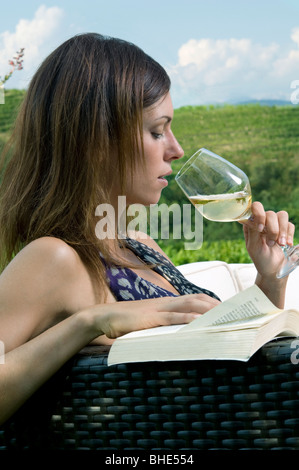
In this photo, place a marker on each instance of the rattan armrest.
(164, 405)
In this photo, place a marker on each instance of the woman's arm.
(42, 284)
(37, 290)
(31, 364)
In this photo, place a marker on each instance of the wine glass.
(221, 192)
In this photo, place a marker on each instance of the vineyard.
(262, 140)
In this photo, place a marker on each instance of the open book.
(234, 329)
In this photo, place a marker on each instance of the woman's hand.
(265, 233)
(119, 318)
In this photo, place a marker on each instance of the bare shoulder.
(46, 266)
(143, 237)
(47, 249)
(45, 282)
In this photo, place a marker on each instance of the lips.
(162, 179)
(164, 176)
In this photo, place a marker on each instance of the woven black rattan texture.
(170, 406)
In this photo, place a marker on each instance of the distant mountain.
(268, 102)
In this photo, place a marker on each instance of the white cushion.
(245, 274)
(228, 279)
(292, 294)
(216, 276)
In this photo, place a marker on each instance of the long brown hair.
(87, 96)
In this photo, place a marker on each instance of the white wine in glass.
(224, 207)
(221, 192)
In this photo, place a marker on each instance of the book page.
(246, 305)
(158, 330)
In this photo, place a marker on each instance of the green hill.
(8, 112)
(262, 140)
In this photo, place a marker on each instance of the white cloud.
(226, 70)
(30, 34)
(295, 36)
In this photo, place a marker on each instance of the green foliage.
(230, 251)
(8, 113)
(262, 140)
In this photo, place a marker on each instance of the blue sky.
(214, 50)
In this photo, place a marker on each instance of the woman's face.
(160, 149)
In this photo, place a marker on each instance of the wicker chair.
(167, 406)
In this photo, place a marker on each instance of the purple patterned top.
(125, 284)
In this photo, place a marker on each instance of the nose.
(174, 150)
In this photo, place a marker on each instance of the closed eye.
(157, 135)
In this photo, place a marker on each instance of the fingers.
(286, 229)
(258, 218)
(190, 303)
(290, 234)
(273, 230)
(176, 318)
(275, 226)
(279, 229)
(186, 308)
(123, 317)
(196, 304)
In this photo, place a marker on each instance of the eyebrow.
(168, 118)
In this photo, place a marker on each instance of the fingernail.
(260, 227)
(283, 241)
(271, 243)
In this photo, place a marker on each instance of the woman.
(95, 124)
